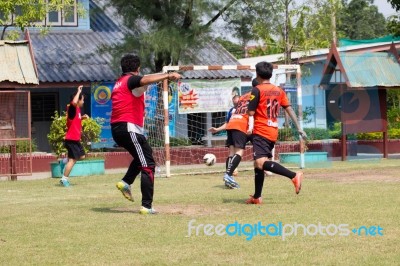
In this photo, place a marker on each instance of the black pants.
(143, 161)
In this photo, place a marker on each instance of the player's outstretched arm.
(289, 110)
(153, 78)
(76, 97)
(218, 129)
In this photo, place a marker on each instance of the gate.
(15, 134)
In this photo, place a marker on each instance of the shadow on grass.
(221, 187)
(266, 201)
(115, 210)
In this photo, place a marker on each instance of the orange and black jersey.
(239, 119)
(266, 100)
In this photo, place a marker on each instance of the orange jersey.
(266, 99)
(240, 119)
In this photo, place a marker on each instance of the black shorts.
(262, 147)
(74, 148)
(236, 138)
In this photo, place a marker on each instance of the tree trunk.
(333, 21)
(287, 50)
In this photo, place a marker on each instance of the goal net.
(179, 114)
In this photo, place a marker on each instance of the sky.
(384, 7)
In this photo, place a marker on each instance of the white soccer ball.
(209, 159)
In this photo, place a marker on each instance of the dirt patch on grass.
(180, 209)
(192, 210)
(380, 175)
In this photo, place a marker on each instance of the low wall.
(194, 154)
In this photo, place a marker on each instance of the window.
(68, 16)
(43, 106)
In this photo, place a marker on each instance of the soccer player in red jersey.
(265, 102)
(127, 127)
(72, 140)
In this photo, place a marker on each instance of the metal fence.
(15, 134)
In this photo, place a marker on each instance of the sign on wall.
(206, 96)
(101, 111)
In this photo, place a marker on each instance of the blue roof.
(73, 56)
(371, 69)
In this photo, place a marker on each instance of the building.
(312, 63)
(69, 56)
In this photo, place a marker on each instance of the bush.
(22, 147)
(91, 130)
(173, 142)
(291, 134)
(393, 133)
(317, 133)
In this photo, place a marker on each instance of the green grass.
(90, 223)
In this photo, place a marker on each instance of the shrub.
(91, 130)
(393, 133)
(22, 146)
(291, 134)
(317, 133)
(172, 141)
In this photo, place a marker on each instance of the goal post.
(286, 70)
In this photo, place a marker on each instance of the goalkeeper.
(239, 128)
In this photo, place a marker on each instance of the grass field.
(90, 223)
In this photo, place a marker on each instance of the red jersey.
(239, 120)
(266, 99)
(126, 107)
(74, 125)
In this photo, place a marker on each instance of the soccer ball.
(209, 159)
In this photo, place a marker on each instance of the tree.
(321, 25)
(27, 13)
(165, 30)
(360, 19)
(240, 21)
(393, 25)
(235, 49)
(395, 4)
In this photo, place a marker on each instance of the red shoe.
(297, 181)
(252, 200)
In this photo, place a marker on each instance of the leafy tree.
(360, 19)
(285, 26)
(235, 49)
(393, 25)
(321, 25)
(281, 21)
(395, 4)
(27, 13)
(240, 21)
(166, 30)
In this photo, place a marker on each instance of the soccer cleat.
(230, 186)
(230, 182)
(145, 210)
(297, 181)
(125, 190)
(64, 182)
(252, 200)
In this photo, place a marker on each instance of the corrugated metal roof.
(73, 56)
(371, 69)
(313, 55)
(16, 63)
(214, 54)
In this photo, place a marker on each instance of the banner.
(172, 99)
(206, 96)
(150, 102)
(153, 115)
(101, 112)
